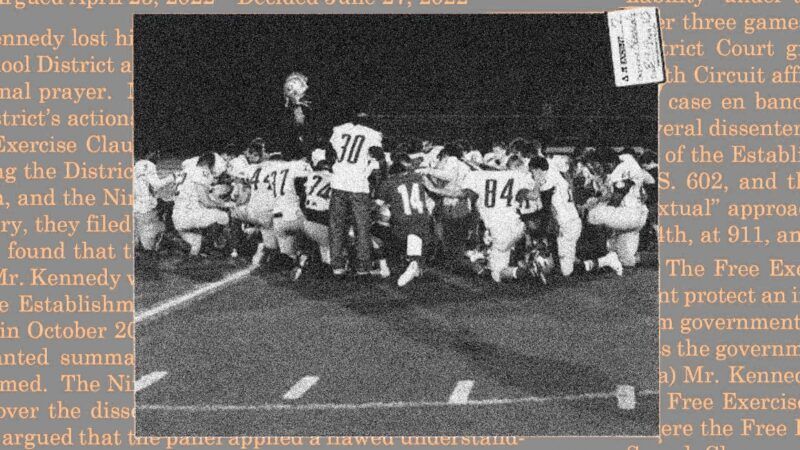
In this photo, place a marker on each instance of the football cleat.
(412, 271)
(382, 270)
(612, 260)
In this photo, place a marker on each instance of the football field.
(224, 349)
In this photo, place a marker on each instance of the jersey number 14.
(412, 201)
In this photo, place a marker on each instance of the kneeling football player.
(410, 216)
(195, 208)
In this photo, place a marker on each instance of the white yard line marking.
(147, 380)
(381, 405)
(460, 395)
(300, 388)
(202, 290)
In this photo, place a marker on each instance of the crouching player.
(410, 218)
(624, 217)
(498, 196)
(287, 178)
(315, 208)
(628, 176)
(195, 208)
(148, 228)
(565, 213)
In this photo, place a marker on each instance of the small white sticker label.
(636, 46)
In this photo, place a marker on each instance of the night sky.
(205, 80)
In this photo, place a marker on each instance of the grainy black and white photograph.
(393, 225)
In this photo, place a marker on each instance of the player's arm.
(529, 193)
(446, 175)
(446, 191)
(378, 155)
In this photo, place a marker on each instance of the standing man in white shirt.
(358, 148)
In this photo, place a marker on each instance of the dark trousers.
(349, 209)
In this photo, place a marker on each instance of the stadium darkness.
(202, 81)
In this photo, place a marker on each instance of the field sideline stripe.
(300, 388)
(202, 290)
(147, 380)
(381, 405)
(461, 392)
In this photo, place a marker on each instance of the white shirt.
(564, 209)
(497, 193)
(188, 196)
(629, 169)
(281, 175)
(353, 162)
(145, 181)
(238, 167)
(318, 191)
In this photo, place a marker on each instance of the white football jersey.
(143, 173)
(497, 193)
(318, 191)
(353, 162)
(564, 209)
(278, 177)
(238, 167)
(188, 197)
(629, 169)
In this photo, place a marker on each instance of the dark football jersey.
(408, 201)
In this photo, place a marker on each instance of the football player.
(632, 208)
(147, 225)
(315, 209)
(284, 177)
(454, 216)
(195, 208)
(218, 167)
(566, 216)
(255, 153)
(253, 197)
(498, 195)
(410, 217)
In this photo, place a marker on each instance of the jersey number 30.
(351, 149)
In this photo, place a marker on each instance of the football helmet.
(294, 89)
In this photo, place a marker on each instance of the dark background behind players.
(201, 82)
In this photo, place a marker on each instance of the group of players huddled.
(357, 202)
(360, 205)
